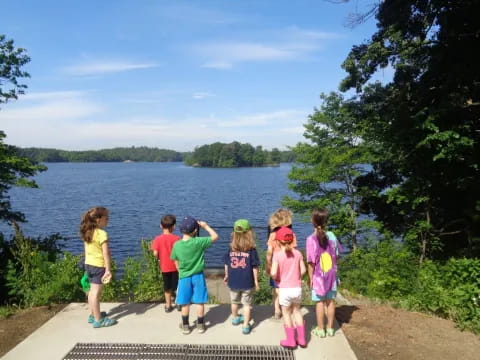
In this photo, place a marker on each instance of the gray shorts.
(95, 273)
(244, 297)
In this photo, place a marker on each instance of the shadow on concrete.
(218, 315)
(125, 309)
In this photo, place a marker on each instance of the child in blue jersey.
(241, 272)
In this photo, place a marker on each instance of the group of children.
(181, 262)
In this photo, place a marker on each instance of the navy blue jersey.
(240, 268)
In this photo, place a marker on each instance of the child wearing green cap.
(241, 272)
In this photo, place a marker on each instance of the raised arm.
(213, 234)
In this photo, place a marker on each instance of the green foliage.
(389, 271)
(385, 271)
(11, 61)
(327, 166)
(263, 296)
(6, 311)
(423, 125)
(37, 275)
(141, 153)
(235, 154)
(141, 280)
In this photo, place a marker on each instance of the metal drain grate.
(94, 351)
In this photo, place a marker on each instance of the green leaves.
(326, 168)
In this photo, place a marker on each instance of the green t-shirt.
(189, 254)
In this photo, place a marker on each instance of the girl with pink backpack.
(322, 252)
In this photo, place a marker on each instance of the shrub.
(385, 271)
(41, 277)
(390, 272)
(264, 295)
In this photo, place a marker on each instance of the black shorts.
(95, 273)
(170, 280)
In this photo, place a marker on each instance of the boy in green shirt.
(189, 259)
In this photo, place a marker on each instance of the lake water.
(139, 194)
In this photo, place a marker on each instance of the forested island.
(214, 155)
(235, 154)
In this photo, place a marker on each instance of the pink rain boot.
(301, 336)
(289, 342)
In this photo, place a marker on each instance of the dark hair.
(89, 222)
(168, 221)
(319, 221)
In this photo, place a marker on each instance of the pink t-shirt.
(163, 244)
(288, 273)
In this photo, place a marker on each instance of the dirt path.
(17, 327)
(375, 332)
(378, 332)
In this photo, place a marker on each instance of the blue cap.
(188, 225)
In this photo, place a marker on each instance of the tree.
(14, 169)
(326, 167)
(11, 61)
(424, 124)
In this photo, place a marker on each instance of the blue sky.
(174, 73)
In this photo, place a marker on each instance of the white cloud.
(292, 43)
(202, 95)
(71, 120)
(274, 118)
(105, 67)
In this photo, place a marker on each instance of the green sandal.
(104, 322)
(318, 332)
(330, 332)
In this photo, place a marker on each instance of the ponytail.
(89, 222)
(319, 221)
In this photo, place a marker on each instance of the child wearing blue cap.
(188, 254)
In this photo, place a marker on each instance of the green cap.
(241, 225)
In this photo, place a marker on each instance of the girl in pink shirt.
(287, 271)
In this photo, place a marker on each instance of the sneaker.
(201, 328)
(185, 329)
(246, 330)
(104, 322)
(179, 307)
(237, 320)
(169, 309)
(330, 332)
(91, 319)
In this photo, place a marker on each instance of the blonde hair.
(89, 222)
(243, 241)
(281, 217)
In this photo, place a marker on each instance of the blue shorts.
(192, 290)
(332, 294)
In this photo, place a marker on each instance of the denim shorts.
(95, 273)
(332, 294)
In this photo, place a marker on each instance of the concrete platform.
(147, 323)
